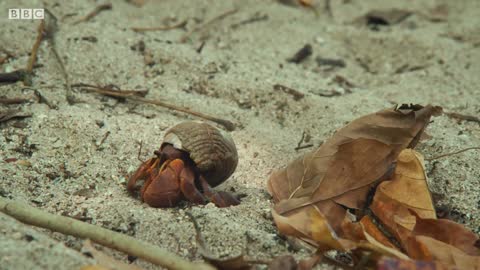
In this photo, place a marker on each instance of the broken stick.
(160, 28)
(185, 37)
(102, 236)
(94, 13)
(131, 95)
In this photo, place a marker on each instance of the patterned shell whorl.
(212, 150)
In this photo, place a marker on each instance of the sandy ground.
(65, 170)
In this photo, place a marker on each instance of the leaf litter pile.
(364, 192)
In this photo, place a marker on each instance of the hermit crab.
(193, 158)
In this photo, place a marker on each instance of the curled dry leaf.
(443, 241)
(366, 235)
(406, 191)
(405, 207)
(342, 171)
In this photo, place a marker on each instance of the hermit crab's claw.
(221, 198)
(162, 189)
(142, 172)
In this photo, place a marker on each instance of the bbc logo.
(26, 13)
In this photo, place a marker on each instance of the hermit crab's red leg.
(163, 188)
(142, 172)
(221, 198)
(189, 190)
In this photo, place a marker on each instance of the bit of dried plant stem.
(42, 99)
(453, 153)
(464, 117)
(111, 90)
(36, 45)
(9, 101)
(185, 37)
(134, 97)
(160, 28)
(11, 114)
(117, 241)
(46, 30)
(50, 29)
(69, 94)
(94, 13)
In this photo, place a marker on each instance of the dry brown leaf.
(366, 235)
(405, 207)
(448, 232)
(444, 241)
(429, 249)
(312, 227)
(406, 191)
(312, 191)
(343, 169)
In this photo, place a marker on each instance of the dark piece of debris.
(376, 18)
(330, 63)
(295, 93)
(301, 55)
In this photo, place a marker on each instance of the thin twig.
(36, 45)
(160, 28)
(9, 101)
(256, 18)
(69, 94)
(185, 37)
(111, 239)
(131, 96)
(94, 13)
(43, 99)
(99, 145)
(225, 123)
(453, 153)
(140, 152)
(301, 140)
(11, 114)
(111, 90)
(50, 30)
(465, 117)
(303, 146)
(27, 77)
